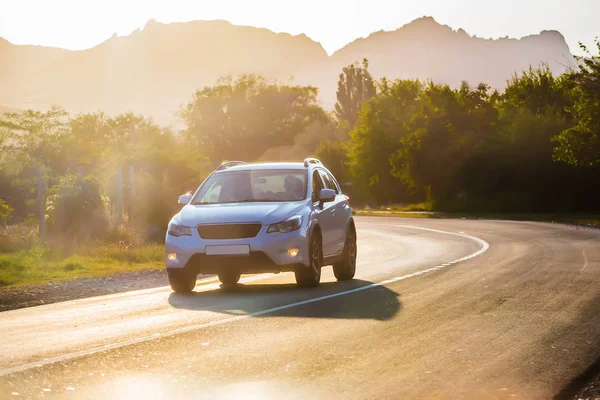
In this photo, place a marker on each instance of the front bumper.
(268, 253)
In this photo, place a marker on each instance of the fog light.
(293, 252)
(171, 256)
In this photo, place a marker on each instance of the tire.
(311, 276)
(182, 282)
(229, 277)
(346, 269)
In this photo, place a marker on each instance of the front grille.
(229, 231)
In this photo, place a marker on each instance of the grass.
(40, 264)
(416, 207)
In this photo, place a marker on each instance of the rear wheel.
(311, 275)
(182, 281)
(229, 277)
(346, 269)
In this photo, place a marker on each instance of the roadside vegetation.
(25, 260)
(578, 219)
(41, 264)
(107, 186)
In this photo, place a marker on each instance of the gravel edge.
(79, 288)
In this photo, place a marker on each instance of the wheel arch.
(316, 229)
(351, 225)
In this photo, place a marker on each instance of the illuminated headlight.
(178, 230)
(289, 225)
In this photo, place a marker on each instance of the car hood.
(266, 213)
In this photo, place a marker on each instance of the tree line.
(533, 147)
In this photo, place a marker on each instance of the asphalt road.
(460, 309)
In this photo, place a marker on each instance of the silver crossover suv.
(270, 217)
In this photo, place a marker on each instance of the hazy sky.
(78, 24)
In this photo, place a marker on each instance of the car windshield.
(253, 186)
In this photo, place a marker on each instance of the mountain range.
(155, 70)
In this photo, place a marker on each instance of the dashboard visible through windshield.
(253, 186)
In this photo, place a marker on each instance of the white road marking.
(484, 247)
(585, 260)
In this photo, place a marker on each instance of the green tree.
(89, 142)
(537, 90)
(164, 165)
(31, 140)
(579, 145)
(355, 86)
(165, 168)
(75, 208)
(376, 138)
(36, 138)
(242, 119)
(531, 113)
(441, 137)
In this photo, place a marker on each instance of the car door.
(339, 213)
(324, 214)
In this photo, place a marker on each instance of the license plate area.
(228, 250)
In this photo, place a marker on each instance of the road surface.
(439, 309)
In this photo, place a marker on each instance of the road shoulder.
(54, 292)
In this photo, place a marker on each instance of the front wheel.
(182, 281)
(346, 269)
(311, 275)
(229, 277)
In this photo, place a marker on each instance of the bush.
(5, 212)
(120, 233)
(76, 208)
(17, 237)
(154, 205)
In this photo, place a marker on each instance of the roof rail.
(311, 161)
(228, 164)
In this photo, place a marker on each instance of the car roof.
(264, 166)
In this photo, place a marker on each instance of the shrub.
(15, 238)
(154, 206)
(76, 208)
(5, 212)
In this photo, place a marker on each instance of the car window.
(328, 180)
(253, 186)
(338, 189)
(316, 186)
(213, 192)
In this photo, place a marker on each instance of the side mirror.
(326, 195)
(185, 198)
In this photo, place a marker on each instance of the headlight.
(289, 225)
(178, 230)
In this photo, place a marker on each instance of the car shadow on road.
(355, 299)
